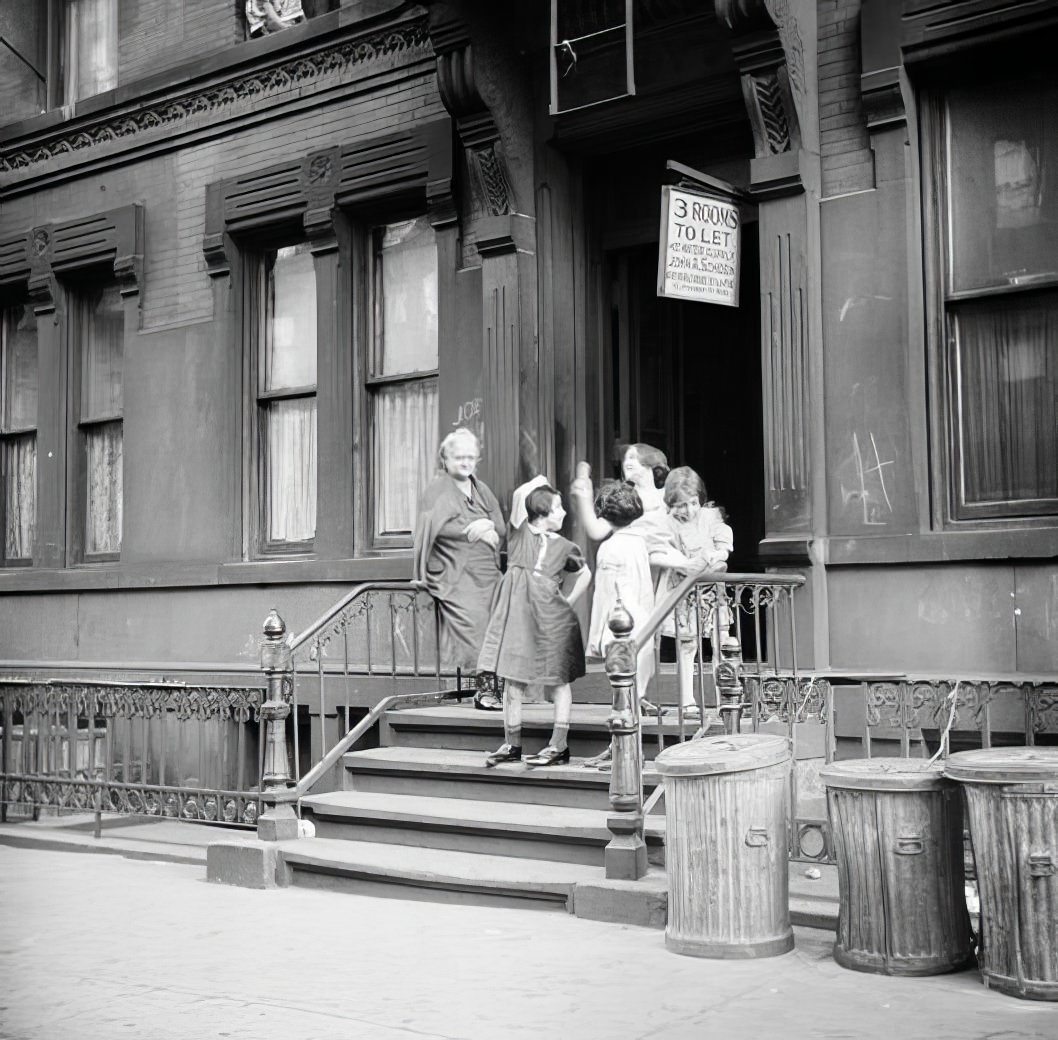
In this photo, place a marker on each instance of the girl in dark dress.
(533, 636)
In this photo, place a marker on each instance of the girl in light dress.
(620, 566)
(704, 536)
(533, 636)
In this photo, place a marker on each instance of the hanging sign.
(698, 255)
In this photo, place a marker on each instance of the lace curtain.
(103, 449)
(289, 422)
(18, 438)
(405, 335)
(290, 432)
(1007, 388)
(405, 450)
(102, 367)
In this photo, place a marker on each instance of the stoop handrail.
(712, 597)
(280, 791)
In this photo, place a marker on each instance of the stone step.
(447, 773)
(462, 727)
(440, 875)
(443, 875)
(550, 832)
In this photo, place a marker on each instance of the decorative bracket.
(477, 129)
(767, 52)
(321, 174)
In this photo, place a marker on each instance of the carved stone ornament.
(474, 123)
(252, 87)
(770, 58)
(41, 241)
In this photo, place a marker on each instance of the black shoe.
(550, 756)
(487, 702)
(504, 753)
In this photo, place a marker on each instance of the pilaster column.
(504, 238)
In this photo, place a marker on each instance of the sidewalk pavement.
(100, 947)
(813, 900)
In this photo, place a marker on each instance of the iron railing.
(731, 610)
(379, 628)
(161, 749)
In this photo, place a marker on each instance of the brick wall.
(22, 25)
(844, 144)
(172, 188)
(158, 34)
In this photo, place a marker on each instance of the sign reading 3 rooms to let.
(698, 255)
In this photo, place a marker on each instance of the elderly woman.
(457, 541)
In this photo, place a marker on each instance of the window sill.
(200, 575)
(1028, 543)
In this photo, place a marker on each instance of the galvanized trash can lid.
(884, 774)
(1014, 765)
(723, 753)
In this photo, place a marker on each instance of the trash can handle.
(1042, 865)
(910, 845)
(757, 837)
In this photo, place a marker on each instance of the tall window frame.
(95, 433)
(82, 49)
(19, 396)
(282, 419)
(400, 373)
(994, 309)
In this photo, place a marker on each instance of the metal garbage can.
(1012, 806)
(726, 800)
(897, 826)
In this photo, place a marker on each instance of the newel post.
(626, 854)
(279, 821)
(727, 674)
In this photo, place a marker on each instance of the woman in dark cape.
(458, 533)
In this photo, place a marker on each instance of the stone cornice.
(329, 63)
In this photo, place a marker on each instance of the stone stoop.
(422, 817)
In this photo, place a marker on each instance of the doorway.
(686, 378)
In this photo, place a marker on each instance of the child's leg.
(563, 698)
(512, 714)
(644, 670)
(686, 650)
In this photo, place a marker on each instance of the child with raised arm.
(533, 635)
(702, 534)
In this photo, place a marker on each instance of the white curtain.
(91, 55)
(1008, 388)
(19, 465)
(290, 469)
(103, 444)
(405, 450)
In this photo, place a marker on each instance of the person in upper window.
(458, 533)
(269, 16)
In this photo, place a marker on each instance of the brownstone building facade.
(250, 280)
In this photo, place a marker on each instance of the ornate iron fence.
(160, 749)
(902, 715)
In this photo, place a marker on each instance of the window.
(99, 351)
(89, 48)
(402, 375)
(591, 53)
(18, 433)
(1000, 156)
(286, 399)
